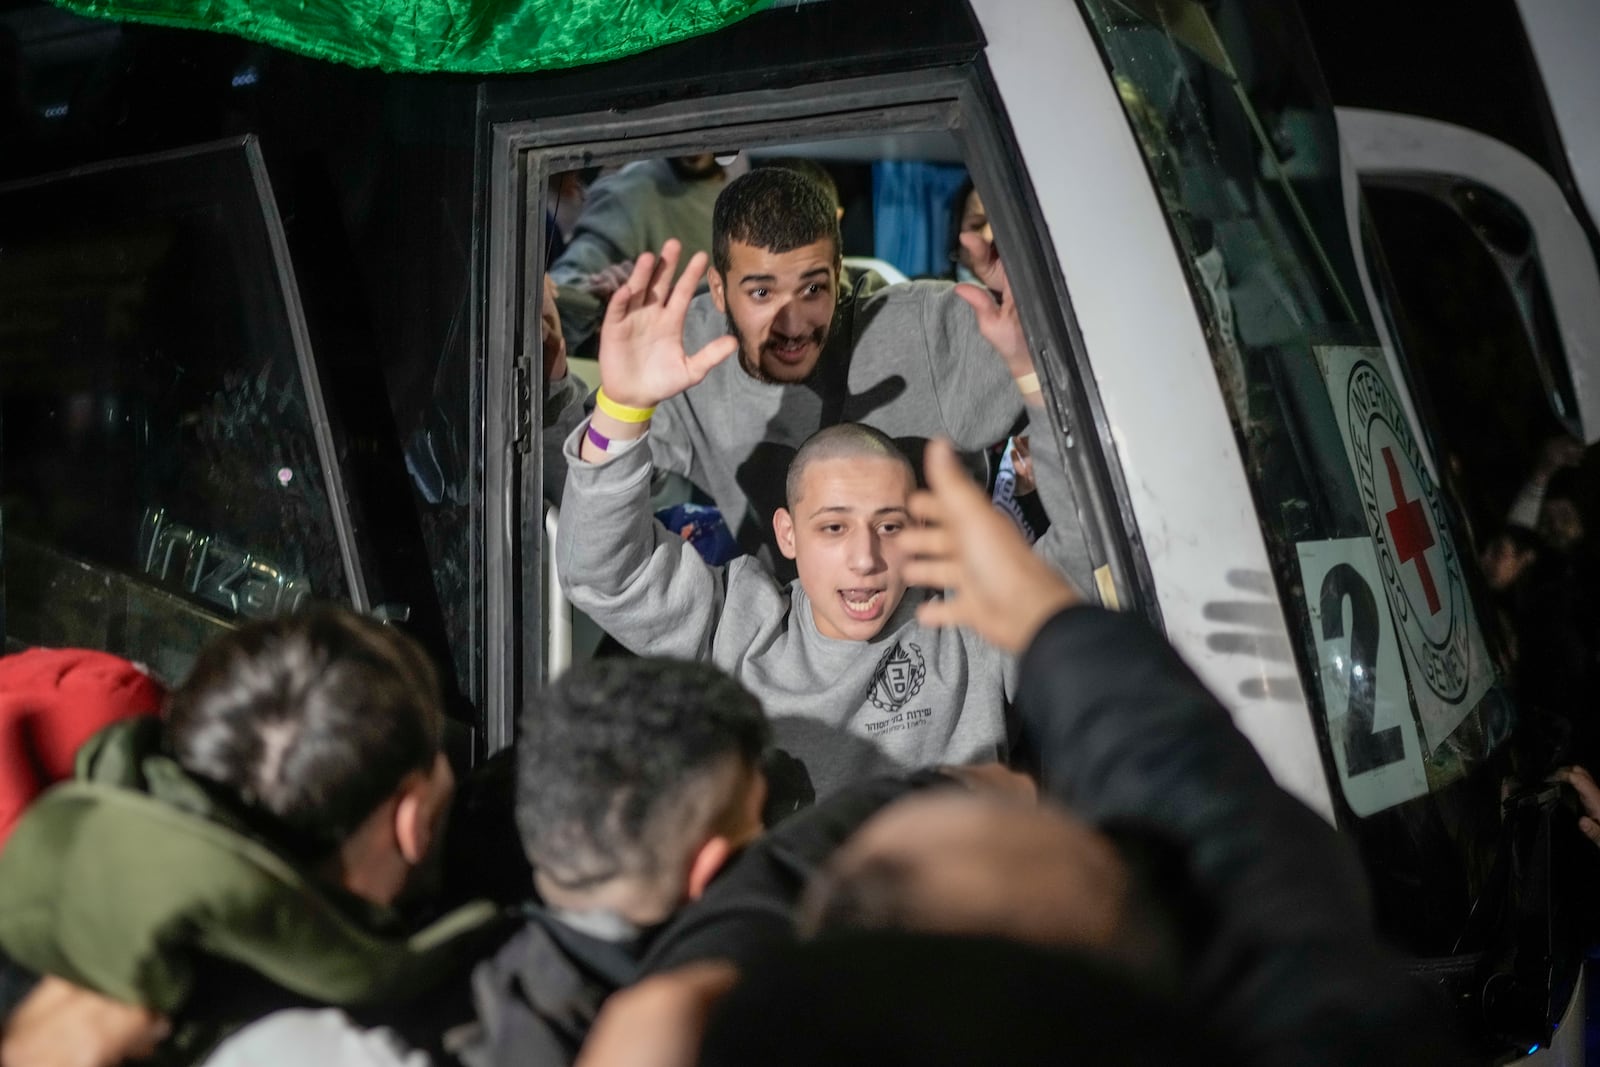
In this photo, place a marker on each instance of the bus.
(270, 333)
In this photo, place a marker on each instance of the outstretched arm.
(642, 361)
(1125, 731)
(649, 588)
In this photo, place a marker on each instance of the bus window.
(1366, 542)
(902, 188)
(163, 475)
(1476, 319)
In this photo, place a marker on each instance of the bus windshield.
(1367, 544)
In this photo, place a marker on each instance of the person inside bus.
(1011, 459)
(1254, 916)
(634, 210)
(917, 360)
(819, 174)
(854, 684)
(250, 850)
(967, 215)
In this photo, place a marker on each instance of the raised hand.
(998, 322)
(994, 583)
(642, 361)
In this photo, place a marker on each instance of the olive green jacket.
(133, 880)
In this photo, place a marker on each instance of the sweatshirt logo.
(898, 677)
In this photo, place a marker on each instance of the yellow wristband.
(1028, 383)
(622, 412)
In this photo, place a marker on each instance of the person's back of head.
(772, 208)
(636, 780)
(972, 864)
(317, 721)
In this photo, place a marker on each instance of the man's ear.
(719, 295)
(419, 812)
(708, 860)
(783, 530)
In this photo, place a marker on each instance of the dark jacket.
(1291, 972)
(538, 996)
(1283, 961)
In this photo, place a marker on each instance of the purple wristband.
(598, 439)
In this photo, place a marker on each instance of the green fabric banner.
(455, 36)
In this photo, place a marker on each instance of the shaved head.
(847, 440)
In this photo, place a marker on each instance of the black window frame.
(959, 98)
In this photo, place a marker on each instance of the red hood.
(51, 701)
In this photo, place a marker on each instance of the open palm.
(998, 322)
(642, 361)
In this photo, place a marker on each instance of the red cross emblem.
(1409, 530)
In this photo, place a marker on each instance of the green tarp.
(456, 36)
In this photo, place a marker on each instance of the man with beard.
(814, 351)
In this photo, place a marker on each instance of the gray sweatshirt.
(910, 697)
(625, 215)
(907, 359)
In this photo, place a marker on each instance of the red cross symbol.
(1408, 529)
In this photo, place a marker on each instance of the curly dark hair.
(774, 208)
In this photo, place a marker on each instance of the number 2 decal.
(1365, 749)
(1362, 677)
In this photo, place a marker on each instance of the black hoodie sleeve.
(1292, 971)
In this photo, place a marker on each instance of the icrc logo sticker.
(1417, 559)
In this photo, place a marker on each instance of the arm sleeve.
(1063, 544)
(648, 588)
(607, 231)
(978, 402)
(1293, 970)
(670, 448)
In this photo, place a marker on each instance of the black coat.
(1290, 971)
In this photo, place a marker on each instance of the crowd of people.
(888, 788)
